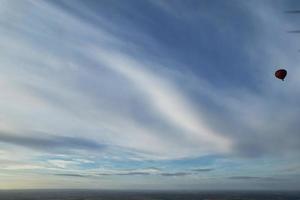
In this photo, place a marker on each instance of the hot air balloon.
(281, 74)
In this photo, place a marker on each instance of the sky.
(158, 95)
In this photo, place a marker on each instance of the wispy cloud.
(128, 86)
(164, 98)
(92, 102)
(176, 174)
(203, 170)
(72, 175)
(256, 178)
(136, 172)
(50, 143)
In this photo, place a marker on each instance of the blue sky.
(149, 95)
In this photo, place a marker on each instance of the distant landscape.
(145, 195)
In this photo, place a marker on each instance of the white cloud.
(40, 85)
(167, 101)
(62, 163)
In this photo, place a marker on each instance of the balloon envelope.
(281, 74)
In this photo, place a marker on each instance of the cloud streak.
(165, 99)
(50, 143)
(255, 178)
(203, 170)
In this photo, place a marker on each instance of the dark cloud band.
(50, 143)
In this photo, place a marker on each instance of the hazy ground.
(126, 195)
